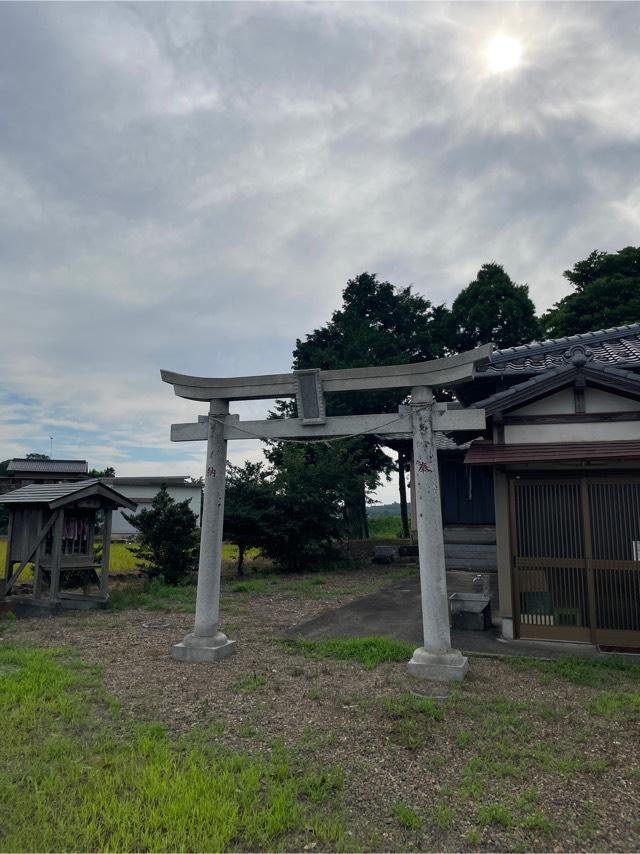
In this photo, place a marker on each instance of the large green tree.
(306, 517)
(249, 503)
(377, 324)
(492, 308)
(606, 292)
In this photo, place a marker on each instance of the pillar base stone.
(508, 632)
(212, 648)
(445, 666)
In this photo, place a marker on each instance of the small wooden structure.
(53, 527)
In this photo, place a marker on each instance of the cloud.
(190, 186)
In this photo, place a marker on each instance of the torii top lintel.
(434, 373)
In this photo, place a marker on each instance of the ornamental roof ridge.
(618, 345)
(556, 343)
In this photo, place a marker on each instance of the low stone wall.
(465, 548)
(362, 550)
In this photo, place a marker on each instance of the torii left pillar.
(205, 642)
(435, 659)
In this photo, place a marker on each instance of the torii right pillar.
(435, 660)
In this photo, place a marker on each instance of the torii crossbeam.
(418, 420)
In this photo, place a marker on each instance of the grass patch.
(155, 595)
(539, 822)
(248, 731)
(369, 652)
(385, 527)
(463, 737)
(615, 705)
(497, 814)
(443, 816)
(592, 672)
(94, 785)
(409, 706)
(250, 683)
(318, 786)
(406, 816)
(473, 837)
(309, 587)
(256, 586)
(411, 719)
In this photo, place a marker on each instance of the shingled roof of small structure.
(55, 495)
(618, 346)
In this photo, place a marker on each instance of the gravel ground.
(582, 794)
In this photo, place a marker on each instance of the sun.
(503, 53)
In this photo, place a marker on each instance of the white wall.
(557, 403)
(179, 493)
(561, 403)
(603, 401)
(599, 432)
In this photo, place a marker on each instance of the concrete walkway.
(395, 612)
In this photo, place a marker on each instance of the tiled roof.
(446, 443)
(50, 466)
(619, 347)
(58, 494)
(542, 383)
(486, 453)
(172, 480)
(43, 493)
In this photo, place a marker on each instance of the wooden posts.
(106, 545)
(56, 556)
(7, 563)
(37, 562)
(33, 549)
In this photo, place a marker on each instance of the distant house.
(143, 490)
(562, 444)
(22, 472)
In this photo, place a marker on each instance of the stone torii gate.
(419, 419)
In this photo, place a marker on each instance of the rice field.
(121, 560)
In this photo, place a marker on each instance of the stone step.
(469, 549)
(456, 555)
(484, 564)
(484, 534)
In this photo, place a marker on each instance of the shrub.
(167, 537)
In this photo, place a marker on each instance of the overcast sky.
(189, 186)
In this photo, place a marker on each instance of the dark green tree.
(306, 517)
(249, 504)
(606, 293)
(167, 537)
(493, 309)
(377, 324)
(109, 471)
